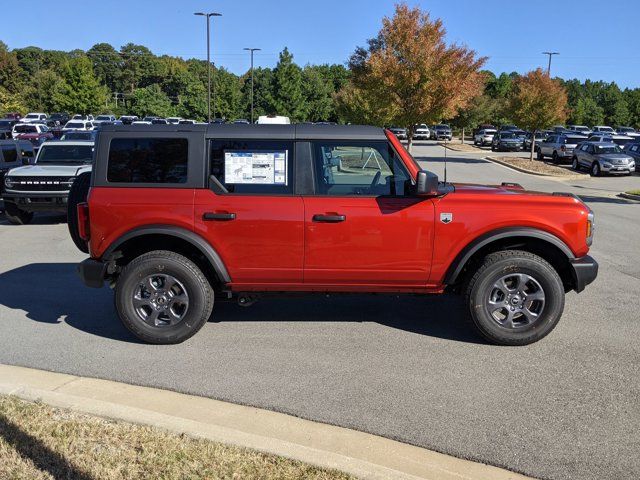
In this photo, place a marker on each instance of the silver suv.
(558, 147)
(602, 157)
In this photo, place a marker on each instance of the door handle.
(329, 218)
(220, 217)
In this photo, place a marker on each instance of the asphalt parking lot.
(409, 368)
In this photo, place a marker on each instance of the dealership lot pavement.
(409, 368)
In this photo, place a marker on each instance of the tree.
(409, 75)
(288, 98)
(151, 100)
(80, 91)
(537, 102)
(317, 92)
(587, 112)
(481, 110)
(10, 71)
(10, 102)
(43, 91)
(107, 64)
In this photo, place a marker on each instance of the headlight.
(606, 165)
(8, 182)
(590, 227)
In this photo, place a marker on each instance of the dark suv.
(177, 215)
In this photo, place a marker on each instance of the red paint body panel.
(382, 241)
(115, 211)
(264, 244)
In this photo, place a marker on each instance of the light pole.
(251, 50)
(551, 54)
(208, 16)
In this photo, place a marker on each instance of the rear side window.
(148, 160)
(10, 153)
(259, 167)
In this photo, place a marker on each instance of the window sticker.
(255, 167)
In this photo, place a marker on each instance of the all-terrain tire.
(162, 263)
(15, 215)
(77, 194)
(480, 287)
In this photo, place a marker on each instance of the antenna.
(445, 161)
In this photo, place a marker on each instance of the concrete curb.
(531, 172)
(360, 454)
(629, 196)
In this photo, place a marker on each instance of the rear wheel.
(77, 194)
(163, 297)
(16, 215)
(539, 155)
(515, 298)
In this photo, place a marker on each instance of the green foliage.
(80, 91)
(151, 100)
(288, 97)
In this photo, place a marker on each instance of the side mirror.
(25, 161)
(427, 184)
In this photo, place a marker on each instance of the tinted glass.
(359, 169)
(25, 129)
(253, 166)
(148, 160)
(55, 153)
(574, 140)
(10, 153)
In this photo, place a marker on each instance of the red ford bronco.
(175, 216)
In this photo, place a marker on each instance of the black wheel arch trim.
(182, 233)
(467, 252)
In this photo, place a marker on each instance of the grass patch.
(535, 166)
(633, 192)
(41, 442)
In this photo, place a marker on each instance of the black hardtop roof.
(262, 131)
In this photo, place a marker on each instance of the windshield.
(74, 125)
(103, 117)
(25, 129)
(508, 135)
(32, 115)
(5, 123)
(608, 149)
(65, 153)
(443, 126)
(581, 129)
(78, 136)
(622, 141)
(626, 129)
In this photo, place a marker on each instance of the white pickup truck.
(44, 186)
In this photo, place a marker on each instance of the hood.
(614, 156)
(49, 170)
(504, 189)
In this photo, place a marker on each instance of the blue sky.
(594, 41)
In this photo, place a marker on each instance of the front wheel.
(515, 298)
(595, 169)
(539, 155)
(163, 297)
(16, 215)
(575, 165)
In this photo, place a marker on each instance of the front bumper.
(584, 271)
(618, 169)
(92, 272)
(38, 201)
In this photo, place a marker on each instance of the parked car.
(559, 147)
(603, 129)
(506, 140)
(128, 119)
(625, 130)
(87, 118)
(75, 135)
(45, 185)
(273, 119)
(421, 132)
(602, 158)
(141, 122)
(104, 118)
(581, 129)
(318, 229)
(526, 142)
(506, 128)
(34, 117)
(11, 156)
(483, 126)
(186, 122)
(159, 121)
(74, 125)
(484, 137)
(6, 128)
(60, 117)
(35, 133)
(174, 120)
(399, 132)
(441, 131)
(633, 150)
(620, 140)
(13, 115)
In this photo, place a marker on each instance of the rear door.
(250, 213)
(363, 227)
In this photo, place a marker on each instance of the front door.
(250, 214)
(363, 227)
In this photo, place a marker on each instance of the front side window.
(148, 160)
(260, 167)
(359, 168)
